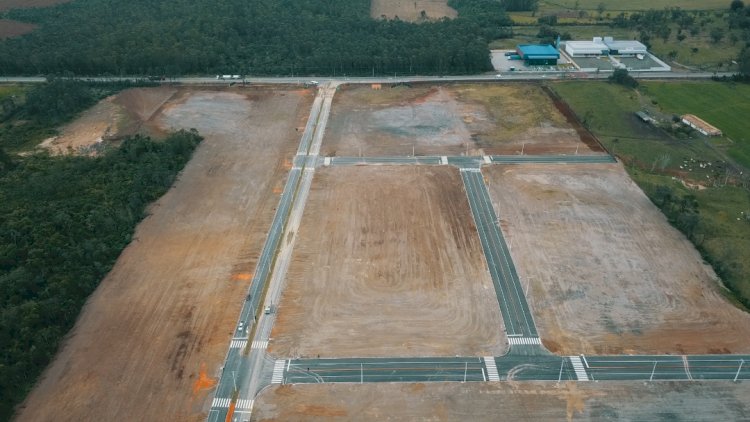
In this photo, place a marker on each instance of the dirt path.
(151, 339)
(529, 401)
(388, 263)
(608, 274)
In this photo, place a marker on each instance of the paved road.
(519, 368)
(468, 161)
(519, 323)
(244, 374)
(504, 76)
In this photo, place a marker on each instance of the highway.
(468, 161)
(519, 323)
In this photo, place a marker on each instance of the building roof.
(701, 124)
(538, 51)
(587, 46)
(625, 45)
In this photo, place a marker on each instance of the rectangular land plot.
(607, 272)
(506, 401)
(388, 263)
(151, 340)
(473, 119)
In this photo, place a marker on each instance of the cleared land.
(694, 401)
(449, 120)
(411, 11)
(616, 5)
(113, 118)
(26, 4)
(607, 272)
(388, 263)
(150, 341)
(10, 28)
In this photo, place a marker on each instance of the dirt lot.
(449, 120)
(10, 28)
(388, 263)
(607, 272)
(628, 401)
(411, 11)
(124, 114)
(151, 339)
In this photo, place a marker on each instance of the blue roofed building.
(535, 54)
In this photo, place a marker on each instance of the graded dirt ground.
(150, 341)
(528, 401)
(388, 263)
(607, 273)
(113, 118)
(473, 119)
(26, 4)
(411, 10)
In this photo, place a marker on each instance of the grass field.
(608, 110)
(724, 105)
(10, 91)
(618, 5)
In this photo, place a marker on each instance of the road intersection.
(249, 369)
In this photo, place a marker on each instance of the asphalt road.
(520, 368)
(519, 323)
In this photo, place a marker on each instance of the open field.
(724, 105)
(10, 28)
(151, 339)
(607, 273)
(616, 5)
(411, 11)
(25, 4)
(388, 263)
(632, 401)
(449, 120)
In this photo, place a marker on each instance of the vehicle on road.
(241, 326)
(267, 310)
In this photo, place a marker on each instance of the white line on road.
(220, 402)
(524, 340)
(278, 372)
(489, 362)
(238, 344)
(260, 344)
(578, 368)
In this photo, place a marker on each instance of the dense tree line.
(280, 37)
(63, 222)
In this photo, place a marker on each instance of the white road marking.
(444, 160)
(260, 344)
(327, 161)
(244, 404)
(524, 340)
(489, 362)
(220, 402)
(238, 343)
(487, 159)
(278, 372)
(578, 368)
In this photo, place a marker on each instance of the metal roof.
(538, 51)
(625, 45)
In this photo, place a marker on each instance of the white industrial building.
(604, 46)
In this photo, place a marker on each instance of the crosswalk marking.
(238, 344)
(220, 402)
(278, 372)
(327, 161)
(260, 344)
(487, 159)
(472, 170)
(524, 340)
(578, 368)
(489, 362)
(444, 160)
(244, 404)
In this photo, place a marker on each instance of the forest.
(63, 222)
(257, 37)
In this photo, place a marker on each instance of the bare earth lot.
(410, 10)
(529, 401)
(151, 339)
(448, 120)
(388, 263)
(10, 28)
(607, 272)
(25, 4)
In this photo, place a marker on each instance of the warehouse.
(536, 55)
(586, 48)
(700, 125)
(625, 48)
